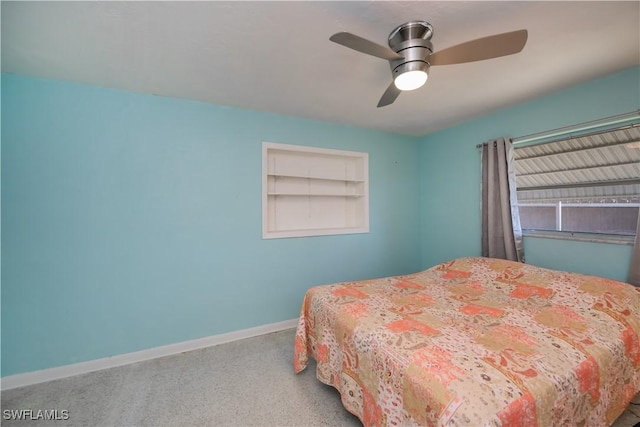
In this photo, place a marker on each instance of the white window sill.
(614, 239)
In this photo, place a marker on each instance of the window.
(310, 191)
(584, 184)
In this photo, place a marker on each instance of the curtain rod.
(607, 121)
(582, 127)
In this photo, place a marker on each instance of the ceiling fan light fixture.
(411, 80)
(411, 75)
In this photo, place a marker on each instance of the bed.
(476, 342)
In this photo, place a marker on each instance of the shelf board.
(279, 233)
(315, 194)
(284, 175)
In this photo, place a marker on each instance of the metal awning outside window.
(602, 167)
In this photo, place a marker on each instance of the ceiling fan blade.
(489, 47)
(363, 45)
(389, 95)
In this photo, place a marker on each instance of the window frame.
(612, 238)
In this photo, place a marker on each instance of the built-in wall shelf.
(310, 191)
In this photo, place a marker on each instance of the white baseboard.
(35, 377)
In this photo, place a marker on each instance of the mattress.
(476, 341)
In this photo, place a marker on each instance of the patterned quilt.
(476, 342)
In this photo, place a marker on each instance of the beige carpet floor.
(243, 383)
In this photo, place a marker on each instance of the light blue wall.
(450, 175)
(597, 259)
(132, 221)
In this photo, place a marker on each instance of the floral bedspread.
(476, 342)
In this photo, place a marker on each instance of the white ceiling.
(277, 57)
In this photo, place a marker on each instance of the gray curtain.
(501, 231)
(634, 268)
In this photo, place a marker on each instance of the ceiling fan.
(410, 53)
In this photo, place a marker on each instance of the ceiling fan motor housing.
(412, 41)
